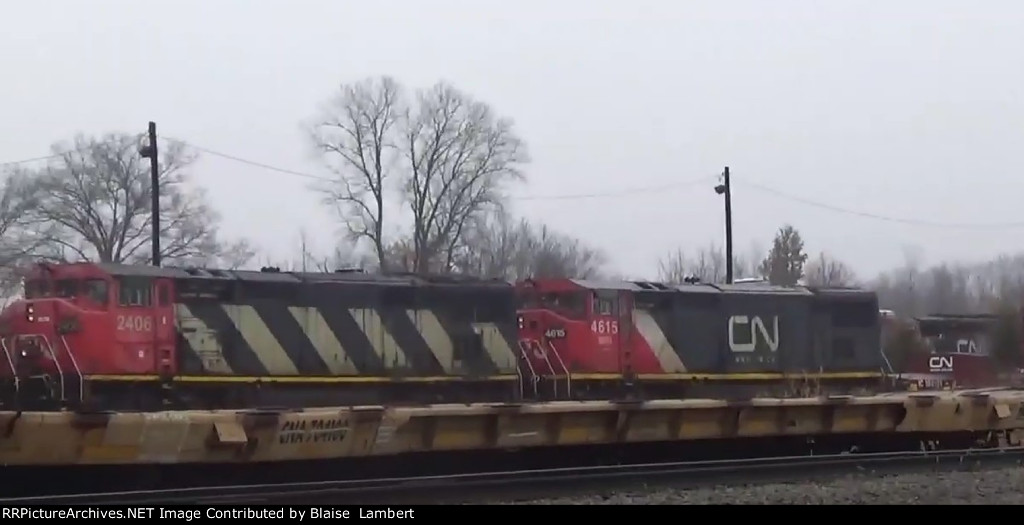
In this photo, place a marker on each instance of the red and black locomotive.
(120, 337)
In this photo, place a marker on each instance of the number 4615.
(605, 327)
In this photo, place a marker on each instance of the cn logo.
(745, 331)
(940, 363)
(966, 346)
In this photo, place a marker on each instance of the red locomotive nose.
(26, 342)
(30, 357)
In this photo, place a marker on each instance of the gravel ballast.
(996, 485)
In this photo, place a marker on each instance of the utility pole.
(149, 151)
(726, 189)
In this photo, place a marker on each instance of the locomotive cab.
(73, 322)
(958, 350)
(569, 325)
(40, 329)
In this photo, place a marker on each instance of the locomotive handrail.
(544, 353)
(78, 370)
(56, 360)
(568, 376)
(519, 376)
(10, 362)
(524, 352)
(885, 357)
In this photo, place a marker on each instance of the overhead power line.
(249, 162)
(613, 193)
(617, 193)
(876, 216)
(575, 196)
(33, 159)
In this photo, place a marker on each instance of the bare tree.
(20, 235)
(310, 259)
(356, 134)
(748, 264)
(900, 290)
(709, 264)
(400, 255)
(706, 265)
(674, 268)
(948, 287)
(96, 195)
(500, 247)
(825, 270)
(461, 156)
(560, 255)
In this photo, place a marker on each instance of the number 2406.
(134, 323)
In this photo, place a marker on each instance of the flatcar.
(125, 337)
(594, 339)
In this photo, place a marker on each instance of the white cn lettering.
(754, 325)
(966, 346)
(938, 363)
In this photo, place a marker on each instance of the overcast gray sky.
(908, 109)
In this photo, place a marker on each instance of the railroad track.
(546, 483)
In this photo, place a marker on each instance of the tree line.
(420, 181)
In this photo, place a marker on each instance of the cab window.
(135, 292)
(37, 288)
(572, 305)
(163, 294)
(604, 303)
(97, 291)
(67, 288)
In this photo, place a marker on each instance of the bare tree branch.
(310, 259)
(674, 268)
(496, 246)
(707, 265)
(96, 197)
(20, 234)
(355, 133)
(827, 271)
(461, 157)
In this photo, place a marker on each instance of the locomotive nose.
(25, 325)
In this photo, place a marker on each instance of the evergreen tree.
(784, 265)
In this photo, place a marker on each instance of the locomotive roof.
(843, 293)
(275, 276)
(763, 288)
(712, 288)
(939, 322)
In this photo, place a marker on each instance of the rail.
(53, 355)
(540, 352)
(885, 358)
(524, 353)
(10, 363)
(519, 376)
(78, 370)
(547, 360)
(542, 482)
(568, 376)
(62, 377)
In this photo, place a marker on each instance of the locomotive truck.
(122, 337)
